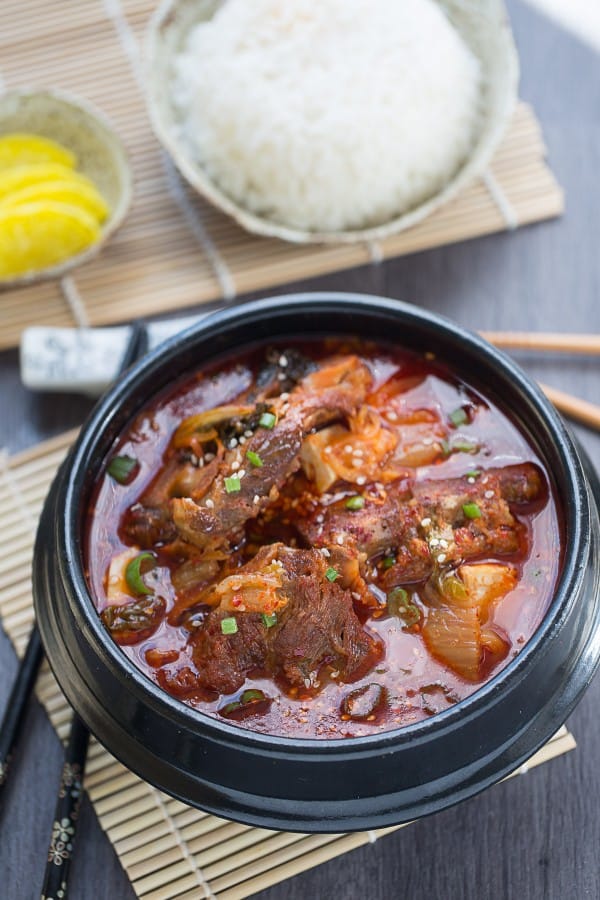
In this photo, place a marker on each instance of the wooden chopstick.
(580, 410)
(531, 340)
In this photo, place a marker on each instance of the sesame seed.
(348, 448)
(248, 433)
(392, 416)
(358, 452)
(283, 361)
(256, 499)
(488, 495)
(242, 440)
(441, 558)
(235, 465)
(434, 542)
(443, 543)
(327, 449)
(285, 408)
(355, 595)
(361, 479)
(379, 485)
(485, 479)
(426, 522)
(428, 441)
(281, 376)
(209, 457)
(340, 539)
(210, 503)
(194, 459)
(284, 396)
(470, 480)
(241, 473)
(325, 552)
(233, 443)
(357, 462)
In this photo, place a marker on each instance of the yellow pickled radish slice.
(20, 177)
(78, 194)
(35, 236)
(20, 149)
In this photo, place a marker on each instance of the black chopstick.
(66, 813)
(60, 850)
(14, 714)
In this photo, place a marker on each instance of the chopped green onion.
(459, 417)
(471, 511)
(473, 473)
(229, 625)
(123, 468)
(247, 699)
(269, 619)
(399, 605)
(445, 446)
(230, 707)
(267, 420)
(252, 695)
(133, 572)
(331, 574)
(465, 446)
(233, 484)
(255, 459)
(356, 502)
(388, 562)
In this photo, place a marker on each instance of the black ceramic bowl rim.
(576, 509)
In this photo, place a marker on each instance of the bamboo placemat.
(167, 849)
(174, 250)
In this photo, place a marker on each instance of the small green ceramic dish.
(75, 124)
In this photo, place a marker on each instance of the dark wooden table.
(537, 836)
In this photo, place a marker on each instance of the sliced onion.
(203, 425)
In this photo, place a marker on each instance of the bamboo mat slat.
(168, 850)
(175, 250)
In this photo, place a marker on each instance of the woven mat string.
(74, 302)
(192, 215)
(499, 197)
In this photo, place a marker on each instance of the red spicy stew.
(323, 539)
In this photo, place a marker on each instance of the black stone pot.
(320, 785)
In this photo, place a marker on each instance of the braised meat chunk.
(314, 623)
(458, 518)
(250, 476)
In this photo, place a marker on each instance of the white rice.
(328, 114)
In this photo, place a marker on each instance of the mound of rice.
(328, 115)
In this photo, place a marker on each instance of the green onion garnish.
(229, 625)
(123, 468)
(465, 446)
(269, 619)
(133, 572)
(399, 605)
(458, 417)
(252, 695)
(267, 420)
(471, 511)
(331, 574)
(254, 458)
(356, 502)
(473, 473)
(233, 484)
(445, 447)
(388, 562)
